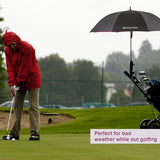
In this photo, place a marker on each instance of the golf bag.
(154, 92)
(151, 91)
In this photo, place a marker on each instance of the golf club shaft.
(12, 103)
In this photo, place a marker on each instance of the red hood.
(10, 37)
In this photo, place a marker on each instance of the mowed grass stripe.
(74, 146)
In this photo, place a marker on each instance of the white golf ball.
(8, 137)
(13, 139)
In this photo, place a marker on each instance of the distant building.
(110, 91)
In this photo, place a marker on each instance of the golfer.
(24, 72)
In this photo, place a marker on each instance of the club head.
(141, 72)
(145, 79)
(6, 137)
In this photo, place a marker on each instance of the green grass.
(71, 140)
(111, 118)
(86, 119)
(73, 146)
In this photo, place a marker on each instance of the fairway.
(73, 146)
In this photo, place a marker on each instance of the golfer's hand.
(12, 91)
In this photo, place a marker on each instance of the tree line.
(69, 84)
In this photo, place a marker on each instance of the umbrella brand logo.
(130, 28)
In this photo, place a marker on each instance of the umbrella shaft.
(131, 62)
(131, 35)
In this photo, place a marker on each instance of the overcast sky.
(63, 26)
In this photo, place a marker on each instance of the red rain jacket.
(22, 67)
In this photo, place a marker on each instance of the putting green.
(73, 146)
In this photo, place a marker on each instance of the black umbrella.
(130, 20)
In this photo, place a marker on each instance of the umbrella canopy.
(130, 20)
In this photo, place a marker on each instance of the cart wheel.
(154, 124)
(144, 124)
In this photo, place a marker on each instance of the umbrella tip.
(130, 8)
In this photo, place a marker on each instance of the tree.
(146, 61)
(3, 76)
(88, 81)
(56, 81)
(154, 72)
(146, 47)
(117, 62)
